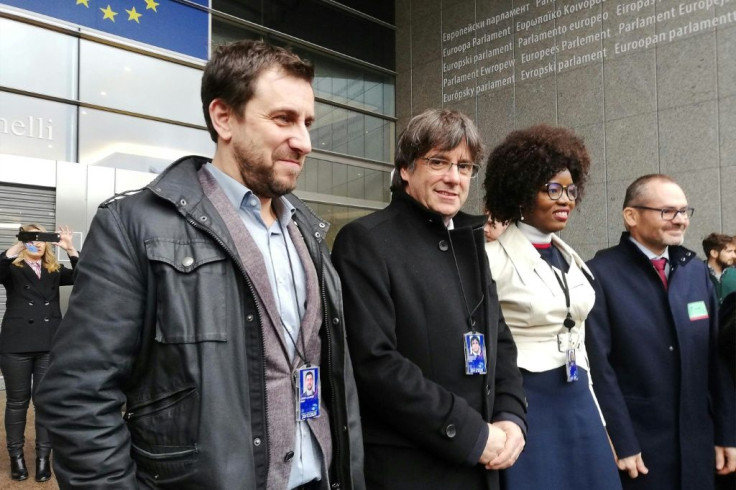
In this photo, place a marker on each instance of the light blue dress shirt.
(289, 285)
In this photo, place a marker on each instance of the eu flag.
(164, 23)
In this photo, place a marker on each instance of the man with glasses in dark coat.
(418, 290)
(664, 391)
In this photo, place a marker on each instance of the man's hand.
(633, 465)
(725, 460)
(494, 444)
(512, 449)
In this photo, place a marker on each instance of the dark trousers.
(19, 370)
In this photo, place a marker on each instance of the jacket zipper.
(141, 410)
(337, 411)
(194, 223)
(175, 454)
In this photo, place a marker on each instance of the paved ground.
(30, 452)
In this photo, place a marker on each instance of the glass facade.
(338, 26)
(337, 179)
(38, 60)
(73, 94)
(118, 79)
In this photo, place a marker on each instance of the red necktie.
(659, 267)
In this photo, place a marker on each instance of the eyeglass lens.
(555, 191)
(671, 213)
(441, 165)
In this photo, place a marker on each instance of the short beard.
(259, 176)
(722, 264)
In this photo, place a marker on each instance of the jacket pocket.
(190, 286)
(168, 467)
(163, 432)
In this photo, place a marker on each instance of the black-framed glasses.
(440, 166)
(668, 214)
(555, 190)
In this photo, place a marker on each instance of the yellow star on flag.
(151, 5)
(108, 13)
(133, 15)
(83, 2)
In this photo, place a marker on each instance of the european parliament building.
(98, 96)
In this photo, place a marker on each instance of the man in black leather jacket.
(198, 302)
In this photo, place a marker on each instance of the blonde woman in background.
(31, 276)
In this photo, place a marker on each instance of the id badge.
(475, 353)
(567, 340)
(571, 366)
(307, 392)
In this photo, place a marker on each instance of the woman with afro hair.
(534, 179)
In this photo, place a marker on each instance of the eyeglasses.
(440, 166)
(555, 190)
(668, 214)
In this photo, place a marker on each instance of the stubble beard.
(259, 176)
(674, 241)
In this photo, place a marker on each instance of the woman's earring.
(521, 214)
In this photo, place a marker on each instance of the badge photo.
(475, 353)
(308, 392)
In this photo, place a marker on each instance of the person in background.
(666, 394)
(720, 253)
(417, 291)
(534, 179)
(31, 276)
(493, 229)
(727, 349)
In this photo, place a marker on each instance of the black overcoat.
(32, 312)
(406, 312)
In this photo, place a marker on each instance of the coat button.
(671, 348)
(30, 303)
(187, 261)
(288, 456)
(257, 441)
(450, 431)
(46, 303)
(249, 318)
(46, 319)
(335, 321)
(183, 202)
(443, 245)
(322, 225)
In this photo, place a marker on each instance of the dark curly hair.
(526, 160)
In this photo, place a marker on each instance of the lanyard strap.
(303, 354)
(470, 320)
(568, 322)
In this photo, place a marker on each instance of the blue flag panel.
(163, 23)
